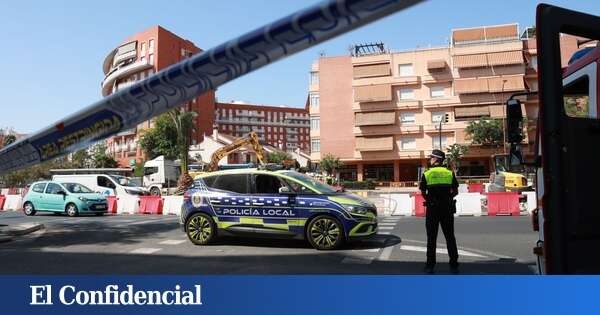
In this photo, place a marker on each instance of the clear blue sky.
(52, 51)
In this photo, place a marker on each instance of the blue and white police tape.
(187, 79)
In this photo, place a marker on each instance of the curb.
(4, 239)
(23, 229)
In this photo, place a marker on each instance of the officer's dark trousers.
(433, 219)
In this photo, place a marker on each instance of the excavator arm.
(249, 139)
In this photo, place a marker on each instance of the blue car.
(274, 203)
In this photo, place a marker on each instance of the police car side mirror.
(285, 190)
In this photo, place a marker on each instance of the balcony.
(375, 144)
(128, 132)
(437, 78)
(407, 80)
(122, 72)
(391, 155)
(439, 102)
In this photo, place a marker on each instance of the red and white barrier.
(420, 208)
(400, 204)
(13, 202)
(2, 201)
(531, 200)
(150, 205)
(127, 204)
(468, 204)
(172, 205)
(112, 204)
(503, 203)
(4, 191)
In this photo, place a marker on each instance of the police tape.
(181, 82)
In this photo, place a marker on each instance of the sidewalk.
(8, 232)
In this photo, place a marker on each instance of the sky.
(52, 51)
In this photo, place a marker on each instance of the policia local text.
(113, 295)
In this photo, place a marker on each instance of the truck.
(160, 176)
(567, 148)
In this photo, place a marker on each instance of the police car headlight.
(83, 199)
(356, 209)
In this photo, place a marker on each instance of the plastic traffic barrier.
(2, 200)
(151, 205)
(531, 200)
(503, 203)
(420, 208)
(400, 204)
(172, 205)
(468, 204)
(463, 188)
(128, 204)
(13, 202)
(4, 191)
(112, 204)
(476, 187)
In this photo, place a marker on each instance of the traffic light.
(446, 118)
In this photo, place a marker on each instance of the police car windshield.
(77, 188)
(312, 183)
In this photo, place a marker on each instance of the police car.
(274, 203)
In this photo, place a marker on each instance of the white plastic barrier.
(172, 205)
(400, 204)
(128, 204)
(486, 187)
(463, 188)
(531, 200)
(4, 191)
(13, 202)
(468, 204)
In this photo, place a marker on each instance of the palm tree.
(185, 125)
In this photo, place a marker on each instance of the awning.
(375, 118)
(467, 86)
(497, 111)
(505, 58)
(374, 70)
(373, 93)
(502, 31)
(436, 64)
(471, 111)
(470, 61)
(374, 144)
(506, 84)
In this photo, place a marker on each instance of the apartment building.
(283, 127)
(380, 112)
(137, 58)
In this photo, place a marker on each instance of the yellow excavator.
(505, 178)
(249, 139)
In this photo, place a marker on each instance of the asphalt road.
(147, 244)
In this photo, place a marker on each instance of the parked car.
(70, 198)
(108, 185)
(274, 204)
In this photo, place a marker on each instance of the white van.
(108, 185)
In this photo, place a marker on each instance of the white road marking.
(140, 222)
(385, 227)
(387, 224)
(172, 242)
(357, 260)
(384, 233)
(370, 250)
(439, 251)
(386, 253)
(145, 250)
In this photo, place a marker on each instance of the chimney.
(215, 133)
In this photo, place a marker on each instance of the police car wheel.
(325, 233)
(201, 229)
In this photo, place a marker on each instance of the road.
(147, 244)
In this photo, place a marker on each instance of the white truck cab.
(160, 175)
(107, 185)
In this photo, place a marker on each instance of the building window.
(314, 78)
(315, 123)
(437, 91)
(436, 117)
(405, 70)
(151, 46)
(143, 48)
(151, 59)
(407, 94)
(407, 118)
(435, 142)
(315, 145)
(142, 58)
(314, 100)
(408, 143)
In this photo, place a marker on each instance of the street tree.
(486, 131)
(278, 157)
(331, 163)
(160, 139)
(99, 158)
(454, 156)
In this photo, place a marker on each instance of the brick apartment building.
(379, 112)
(156, 48)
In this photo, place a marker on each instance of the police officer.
(439, 186)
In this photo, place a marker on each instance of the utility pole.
(445, 120)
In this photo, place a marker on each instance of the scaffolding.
(367, 49)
